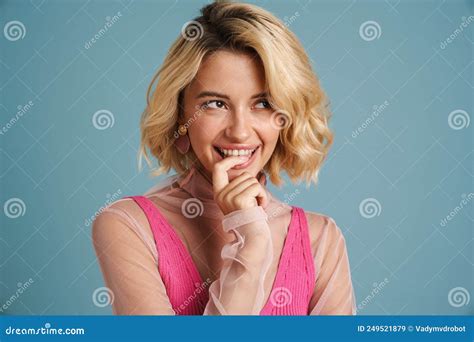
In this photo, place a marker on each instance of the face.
(227, 112)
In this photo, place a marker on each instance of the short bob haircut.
(292, 87)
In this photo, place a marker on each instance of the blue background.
(413, 164)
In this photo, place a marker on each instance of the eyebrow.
(224, 96)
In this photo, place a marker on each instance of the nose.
(239, 127)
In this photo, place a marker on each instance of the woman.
(235, 99)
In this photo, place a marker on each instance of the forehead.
(231, 73)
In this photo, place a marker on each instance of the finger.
(237, 180)
(220, 178)
(236, 184)
(263, 200)
(262, 197)
(239, 188)
(257, 191)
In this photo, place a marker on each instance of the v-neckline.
(279, 272)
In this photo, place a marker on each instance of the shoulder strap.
(167, 240)
(307, 252)
(180, 274)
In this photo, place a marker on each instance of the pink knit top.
(291, 291)
(172, 251)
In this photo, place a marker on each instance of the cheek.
(202, 133)
(197, 129)
(270, 138)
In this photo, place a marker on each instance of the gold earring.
(182, 130)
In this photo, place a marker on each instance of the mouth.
(250, 153)
(224, 153)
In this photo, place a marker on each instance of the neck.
(198, 183)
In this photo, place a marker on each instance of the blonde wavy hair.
(292, 86)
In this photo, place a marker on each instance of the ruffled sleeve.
(239, 290)
(128, 259)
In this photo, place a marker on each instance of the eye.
(214, 104)
(262, 104)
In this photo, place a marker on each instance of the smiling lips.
(227, 151)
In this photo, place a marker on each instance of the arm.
(246, 260)
(128, 265)
(239, 288)
(333, 293)
(131, 273)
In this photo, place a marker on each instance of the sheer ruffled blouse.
(128, 256)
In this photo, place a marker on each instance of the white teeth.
(227, 153)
